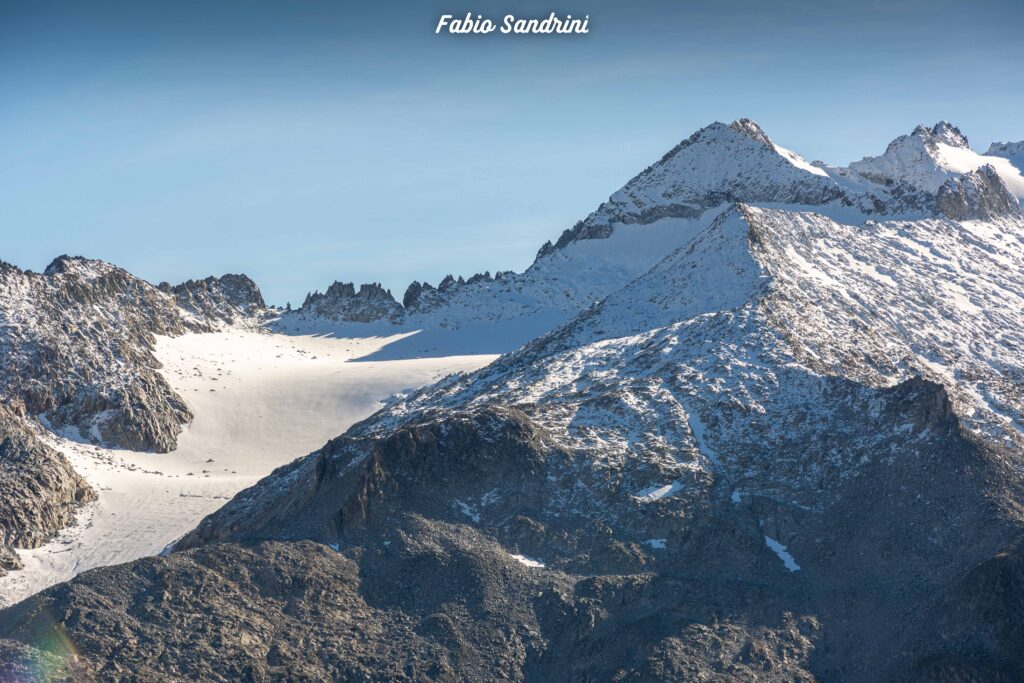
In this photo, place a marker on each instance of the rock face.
(77, 346)
(39, 490)
(978, 195)
(229, 298)
(76, 352)
(77, 349)
(342, 302)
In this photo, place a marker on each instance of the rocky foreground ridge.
(76, 356)
(790, 450)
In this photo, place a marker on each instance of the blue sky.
(302, 142)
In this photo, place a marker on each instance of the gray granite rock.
(978, 195)
(39, 490)
(77, 346)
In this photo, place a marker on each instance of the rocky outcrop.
(76, 346)
(341, 302)
(372, 303)
(422, 297)
(39, 490)
(978, 195)
(9, 560)
(582, 230)
(414, 291)
(229, 298)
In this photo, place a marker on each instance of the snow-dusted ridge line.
(774, 297)
(924, 174)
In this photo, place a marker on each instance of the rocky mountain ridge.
(76, 357)
(228, 299)
(785, 400)
(77, 346)
(342, 301)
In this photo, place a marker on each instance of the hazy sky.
(303, 142)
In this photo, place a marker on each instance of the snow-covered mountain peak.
(943, 132)
(719, 164)
(926, 158)
(79, 266)
(751, 129)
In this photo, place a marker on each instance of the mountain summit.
(928, 157)
(719, 163)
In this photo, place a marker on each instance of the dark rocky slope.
(39, 490)
(76, 346)
(419, 588)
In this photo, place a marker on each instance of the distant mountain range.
(764, 421)
(931, 172)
